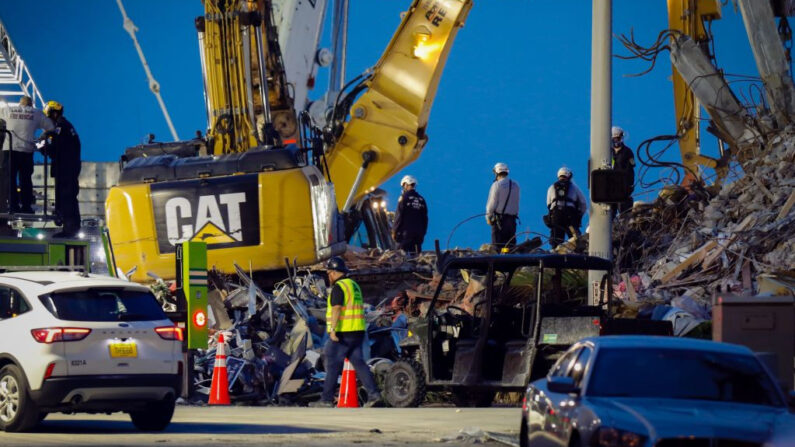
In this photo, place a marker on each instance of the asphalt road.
(202, 426)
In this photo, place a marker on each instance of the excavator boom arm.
(386, 128)
(688, 16)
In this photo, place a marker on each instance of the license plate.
(125, 349)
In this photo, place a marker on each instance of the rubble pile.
(692, 243)
(275, 338)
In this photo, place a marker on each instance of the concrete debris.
(693, 243)
(475, 435)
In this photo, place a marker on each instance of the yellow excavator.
(265, 184)
(689, 17)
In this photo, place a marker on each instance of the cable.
(652, 161)
(648, 54)
(154, 86)
(358, 80)
(450, 236)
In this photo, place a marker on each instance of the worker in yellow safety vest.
(345, 326)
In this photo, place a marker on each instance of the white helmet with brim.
(501, 168)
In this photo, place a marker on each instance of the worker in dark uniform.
(624, 160)
(345, 325)
(411, 217)
(502, 209)
(566, 205)
(62, 145)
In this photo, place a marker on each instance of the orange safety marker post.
(219, 391)
(349, 397)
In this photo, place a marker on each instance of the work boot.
(373, 399)
(321, 404)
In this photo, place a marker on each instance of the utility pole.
(600, 235)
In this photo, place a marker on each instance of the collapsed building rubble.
(675, 254)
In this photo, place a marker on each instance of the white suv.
(71, 342)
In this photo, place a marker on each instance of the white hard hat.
(565, 172)
(408, 180)
(616, 132)
(500, 168)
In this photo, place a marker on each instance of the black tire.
(18, 412)
(155, 417)
(473, 398)
(404, 384)
(523, 432)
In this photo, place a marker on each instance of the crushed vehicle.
(514, 323)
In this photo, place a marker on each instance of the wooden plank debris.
(764, 189)
(787, 206)
(747, 275)
(696, 257)
(748, 222)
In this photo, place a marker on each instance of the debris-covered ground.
(275, 337)
(676, 254)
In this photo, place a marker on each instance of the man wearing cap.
(345, 325)
(411, 217)
(502, 209)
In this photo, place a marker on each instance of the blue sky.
(516, 88)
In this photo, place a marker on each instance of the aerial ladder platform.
(15, 78)
(16, 82)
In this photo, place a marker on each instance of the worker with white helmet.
(566, 204)
(624, 160)
(502, 209)
(411, 217)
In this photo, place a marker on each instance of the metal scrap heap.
(275, 338)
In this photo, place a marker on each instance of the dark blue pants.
(411, 243)
(22, 167)
(350, 347)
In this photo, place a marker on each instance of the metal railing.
(14, 72)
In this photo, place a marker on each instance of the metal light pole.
(601, 113)
(339, 45)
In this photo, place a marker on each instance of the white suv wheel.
(9, 398)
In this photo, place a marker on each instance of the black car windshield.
(682, 374)
(104, 304)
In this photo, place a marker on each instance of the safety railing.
(15, 78)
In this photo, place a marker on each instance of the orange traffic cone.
(349, 398)
(219, 391)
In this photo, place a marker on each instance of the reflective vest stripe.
(352, 315)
